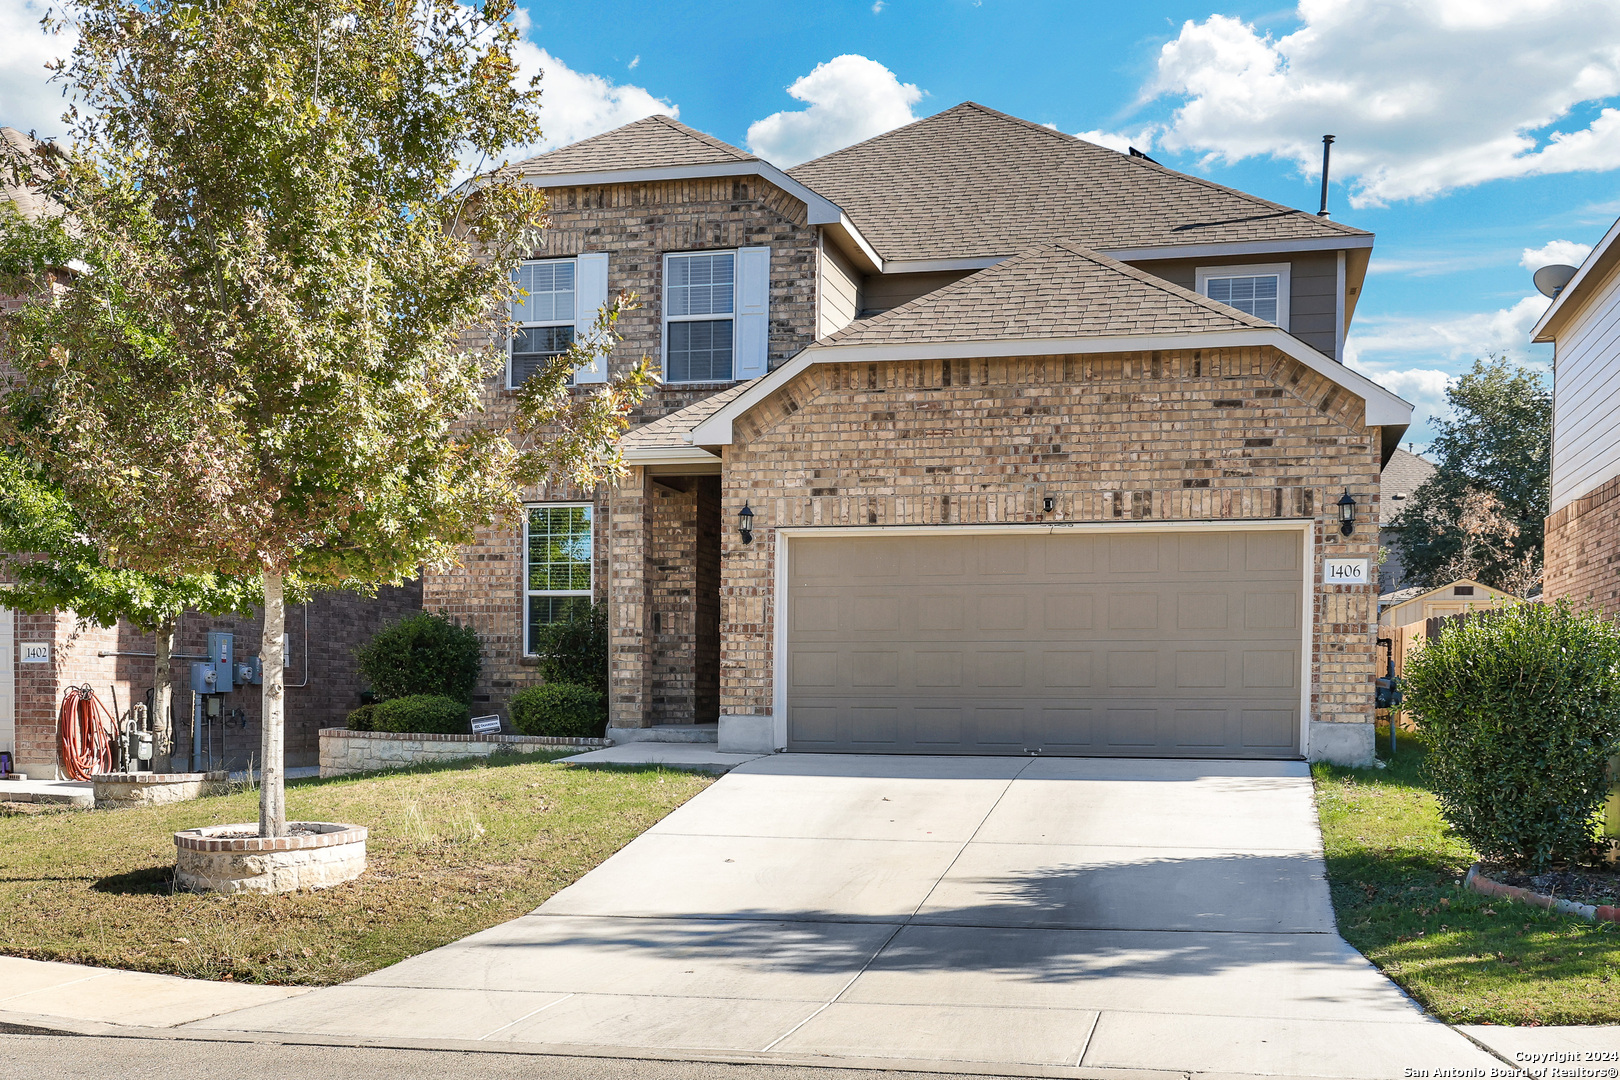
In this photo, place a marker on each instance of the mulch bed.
(1583, 885)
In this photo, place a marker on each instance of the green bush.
(574, 649)
(361, 718)
(559, 710)
(1522, 711)
(425, 653)
(431, 713)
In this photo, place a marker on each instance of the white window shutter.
(590, 293)
(753, 312)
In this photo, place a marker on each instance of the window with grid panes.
(558, 564)
(699, 305)
(1255, 293)
(543, 308)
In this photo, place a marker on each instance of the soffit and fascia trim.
(1384, 409)
(1604, 255)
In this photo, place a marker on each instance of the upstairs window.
(700, 300)
(1260, 290)
(543, 308)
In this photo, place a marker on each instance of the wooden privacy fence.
(1403, 641)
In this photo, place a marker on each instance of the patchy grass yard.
(1396, 873)
(453, 850)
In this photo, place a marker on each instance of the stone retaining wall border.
(345, 752)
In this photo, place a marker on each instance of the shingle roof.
(1403, 475)
(1056, 290)
(29, 202)
(670, 431)
(657, 140)
(974, 182)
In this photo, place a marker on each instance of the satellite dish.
(1550, 280)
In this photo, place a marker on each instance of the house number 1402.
(1345, 571)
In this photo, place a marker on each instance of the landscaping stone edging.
(126, 790)
(205, 861)
(344, 751)
(1489, 887)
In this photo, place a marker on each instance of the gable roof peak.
(656, 140)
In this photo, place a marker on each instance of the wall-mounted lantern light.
(1347, 515)
(745, 524)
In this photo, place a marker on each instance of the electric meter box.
(210, 678)
(221, 648)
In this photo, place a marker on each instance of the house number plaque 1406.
(1346, 571)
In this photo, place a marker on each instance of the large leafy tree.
(285, 303)
(50, 563)
(1481, 514)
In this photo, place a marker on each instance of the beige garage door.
(1138, 644)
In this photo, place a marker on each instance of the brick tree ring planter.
(232, 858)
(121, 790)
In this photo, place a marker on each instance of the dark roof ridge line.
(883, 135)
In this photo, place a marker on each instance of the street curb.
(1479, 883)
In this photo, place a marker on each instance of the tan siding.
(839, 301)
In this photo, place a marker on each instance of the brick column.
(631, 532)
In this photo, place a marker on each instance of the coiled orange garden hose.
(84, 734)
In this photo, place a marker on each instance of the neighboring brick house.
(323, 682)
(1583, 526)
(1404, 473)
(1044, 448)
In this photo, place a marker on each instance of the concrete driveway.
(1159, 915)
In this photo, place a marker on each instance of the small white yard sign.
(1346, 571)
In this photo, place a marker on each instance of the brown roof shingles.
(671, 431)
(974, 182)
(1056, 290)
(650, 143)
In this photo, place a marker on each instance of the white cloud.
(27, 101)
(850, 97)
(575, 105)
(635, 61)
(1424, 95)
(878, 6)
(1554, 253)
(1119, 140)
(1415, 357)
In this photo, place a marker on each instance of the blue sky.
(1470, 131)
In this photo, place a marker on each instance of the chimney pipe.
(1327, 151)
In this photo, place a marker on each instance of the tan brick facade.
(1583, 551)
(635, 224)
(1192, 436)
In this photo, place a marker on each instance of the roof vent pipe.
(1327, 151)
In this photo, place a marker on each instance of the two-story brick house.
(974, 438)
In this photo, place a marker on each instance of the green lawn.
(453, 850)
(1396, 874)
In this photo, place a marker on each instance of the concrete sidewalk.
(41, 988)
(964, 912)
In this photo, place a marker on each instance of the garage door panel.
(1193, 648)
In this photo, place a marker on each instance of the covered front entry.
(1142, 641)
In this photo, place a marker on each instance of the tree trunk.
(272, 793)
(163, 698)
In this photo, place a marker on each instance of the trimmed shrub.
(361, 718)
(559, 710)
(425, 653)
(430, 713)
(574, 649)
(1521, 708)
